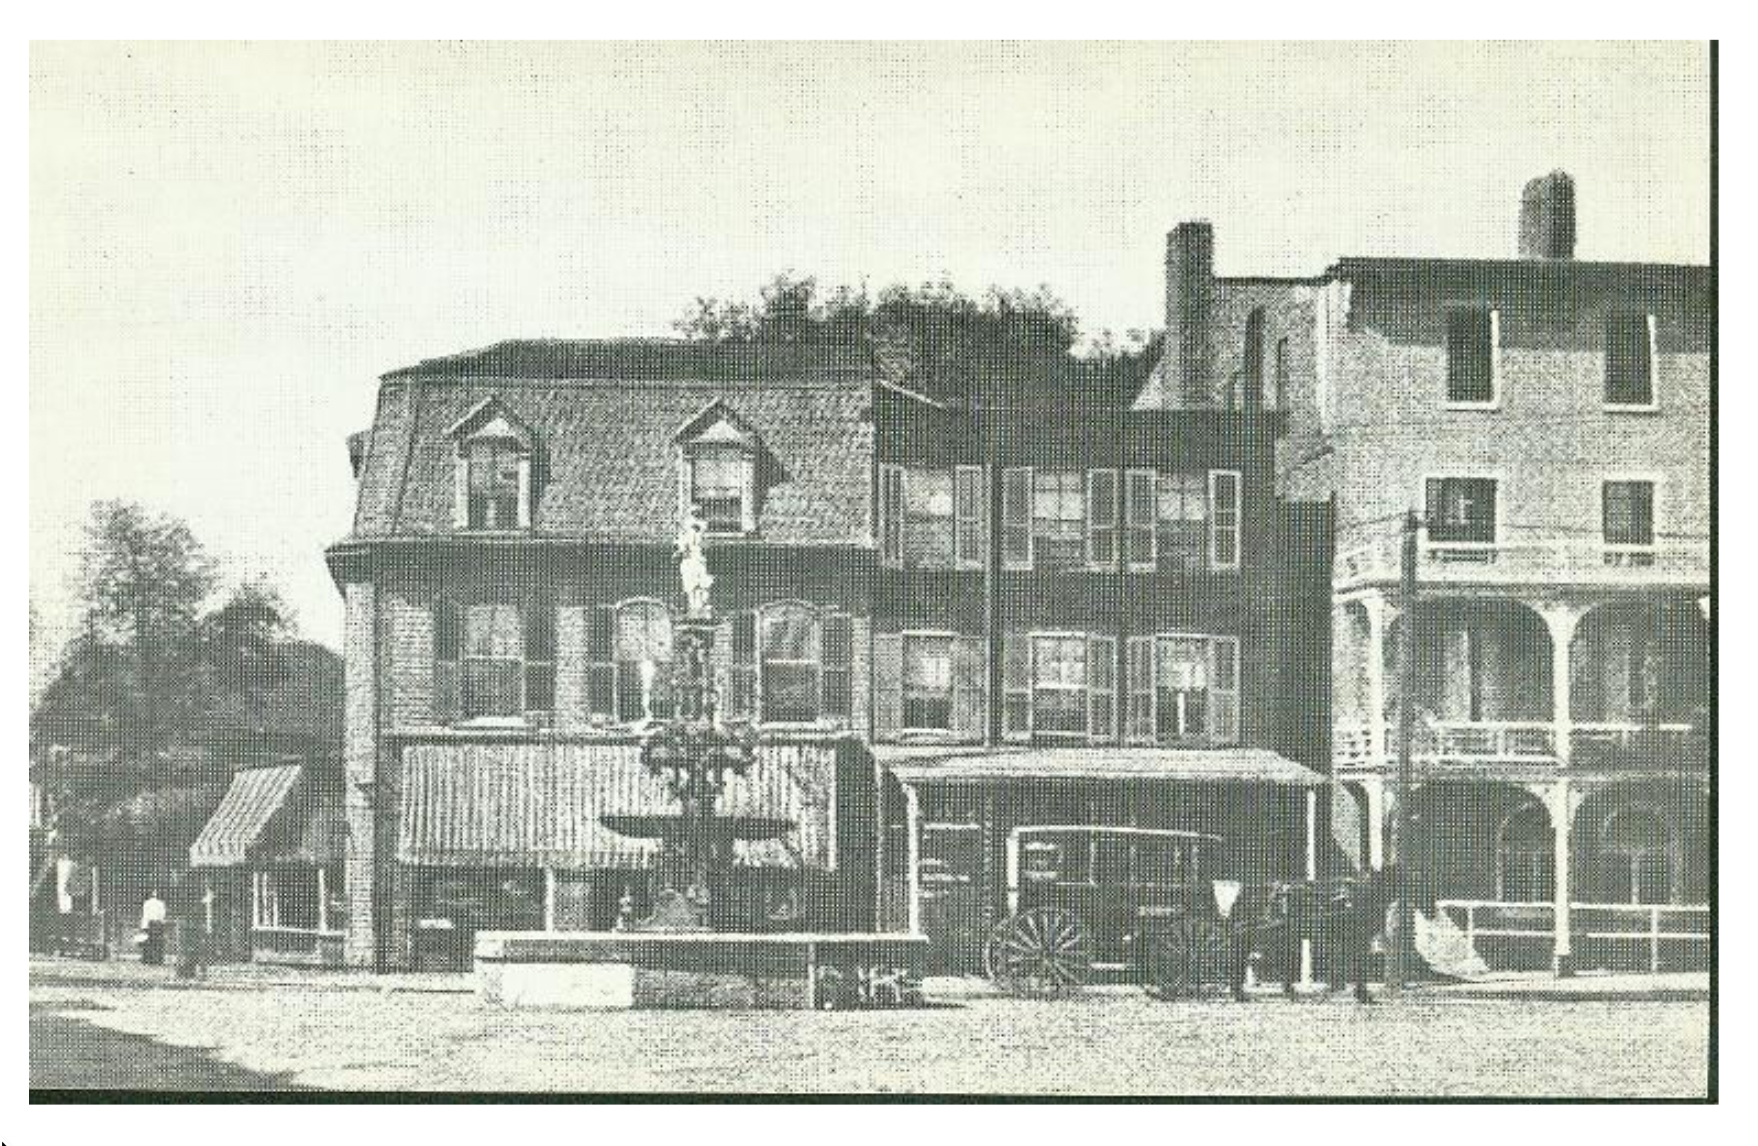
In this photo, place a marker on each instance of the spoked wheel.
(1189, 954)
(1040, 953)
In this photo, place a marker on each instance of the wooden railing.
(1650, 926)
(1516, 741)
(1551, 561)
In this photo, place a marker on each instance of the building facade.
(970, 630)
(1547, 419)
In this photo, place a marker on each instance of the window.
(1183, 690)
(1473, 337)
(494, 659)
(494, 466)
(1223, 519)
(1102, 519)
(720, 483)
(928, 518)
(927, 682)
(1184, 520)
(1058, 519)
(891, 515)
(1628, 513)
(1016, 518)
(1629, 360)
(629, 653)
(1059, 684)
(788, 637)
(1254, 358)
(1462, 510)
(1636, 851)
(804, 664)
(1525, 857)
(968, 509)
(1139, 512)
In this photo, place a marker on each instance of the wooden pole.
(1397, 963)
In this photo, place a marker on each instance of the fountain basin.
(698, 969)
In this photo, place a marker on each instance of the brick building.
(1036, 604)
(1549, 419)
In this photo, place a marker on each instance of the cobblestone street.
(326, 1035)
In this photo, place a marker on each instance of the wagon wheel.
(1043, 952)
(1190, 953)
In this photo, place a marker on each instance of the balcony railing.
(1600, 743)
(1566, 561)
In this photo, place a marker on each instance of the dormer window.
(492, 472)
(717, 472)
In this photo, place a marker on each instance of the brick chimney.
(1190, 281)
(1547, 217)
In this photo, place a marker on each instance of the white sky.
(229, 243)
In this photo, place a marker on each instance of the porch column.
(1561, 621)
(1379, 616)
(1374, 787)
(1311, 877)
(1563, 961)
(323, 902)
(912, 802)
(549, 899)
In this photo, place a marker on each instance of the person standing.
(152, 922)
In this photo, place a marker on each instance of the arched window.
(629, 662)
(1525, 857)
(1636, 850)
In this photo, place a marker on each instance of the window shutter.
(461, 491)
(1224, 514)
(1102, 519)
(743, 702)
(1140, 507)
(601, 669)
(1102, 689)
(891, 515)
(539, 617)
(1140, 682)
(1224, 689)
(1016, 686)
(970, 677)
(748, 511)
(448, 643)
(838, 657)
(525, 490)
(887, 686)
(968, 505)
(1016, 518)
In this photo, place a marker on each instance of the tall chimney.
(1547, 217)
(1190, 278)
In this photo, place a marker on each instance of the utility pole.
(1399, 956)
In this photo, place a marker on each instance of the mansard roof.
(605, 419)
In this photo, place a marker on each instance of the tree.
(940, 339)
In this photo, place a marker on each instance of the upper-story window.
(1171, 521)
(1059, 686)
(718, 469)
(792, 664)
(628, 662)
(1473, 353)
(492, 472)
(1462, 510)
(494, 659)
(1629, 360)
(1058, 519)
(927, 681)
(1183, 689)
(931, 518)
(1628, 513)
(1280, 396)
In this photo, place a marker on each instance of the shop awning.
(541, 805)
(254, 797)
(917, 765)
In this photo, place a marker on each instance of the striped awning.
(542, 805)
(1192, 765)
(254, 797)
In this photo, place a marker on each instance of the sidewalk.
(53, 970)
(1672, 986)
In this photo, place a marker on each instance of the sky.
(230, 243)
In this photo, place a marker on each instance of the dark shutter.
(970, 679)
(1016, 518)
(601, 669)
(838, 657)
(887, 686)
(743, 701)
(539, 617)
(448, 643)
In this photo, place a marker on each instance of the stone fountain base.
(698, 969)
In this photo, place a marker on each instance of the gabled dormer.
(718, 454)
(491, 476)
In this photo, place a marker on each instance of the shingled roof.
(605, 415)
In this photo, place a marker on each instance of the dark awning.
(254, 797)
(917, 765)
(541, 805)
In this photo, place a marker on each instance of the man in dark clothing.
(152, 922)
